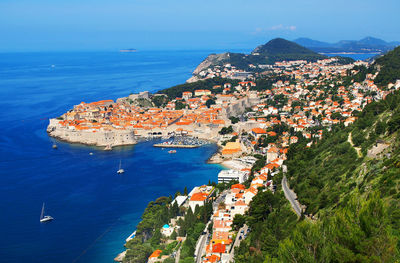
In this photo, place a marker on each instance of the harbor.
(182, 142)
(166, 145)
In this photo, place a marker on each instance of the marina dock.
(181, 142)
(165, 145)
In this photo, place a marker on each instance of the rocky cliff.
(212, 59)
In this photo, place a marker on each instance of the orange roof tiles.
(238, 186)
(156, 253)
(218, 248)
(212, 259)
(258, 131)
(198, 197)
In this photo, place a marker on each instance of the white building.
(249, 194)
(231, 175)
(240, 207)
(180, 200)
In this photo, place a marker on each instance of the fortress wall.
(98, 138)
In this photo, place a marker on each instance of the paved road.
(220, 198)
(244, 229)
(291, 196)
(178, 255)
(200, 246)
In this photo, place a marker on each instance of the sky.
(63, 25)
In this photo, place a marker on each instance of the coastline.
(68, 179)
(106, 138)
(65, 140)
(121, 255)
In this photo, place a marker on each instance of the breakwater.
(163, 145)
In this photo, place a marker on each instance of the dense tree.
(389, 67)
(358, 232)
(238, 221)
(138, 255)
(234, 119)
(380, 127)
(159, 100)
(226, 130)
(179, 105)
(210, 102)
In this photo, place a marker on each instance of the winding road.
(291, 196)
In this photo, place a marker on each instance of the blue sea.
(95, 209)
(355, 56)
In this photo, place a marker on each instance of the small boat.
(55, 146)
(131, 236)
(90, 153)
(120, 170)
(44, 218)
(108, 148)
(172, 151)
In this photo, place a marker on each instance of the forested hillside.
(352, 200)
(349, 184)
(389, 65)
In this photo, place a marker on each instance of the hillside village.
(312, 97)
(253, 142)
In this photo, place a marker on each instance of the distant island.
(369, 45)
(128, 50)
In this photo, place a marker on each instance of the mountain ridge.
(365, 45)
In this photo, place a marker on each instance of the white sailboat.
(120, 170)
(44, 218)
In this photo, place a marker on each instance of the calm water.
(95, 209)
(358, 56)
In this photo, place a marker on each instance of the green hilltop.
(279, 49)
(389, 65)
(275, 50)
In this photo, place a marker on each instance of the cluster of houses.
(225, 71)
(297, 68)
(237, 200)
(306, 107)
(312, 97)
(109, 115)
(197, 197)
(124, 118)
(218, 247)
